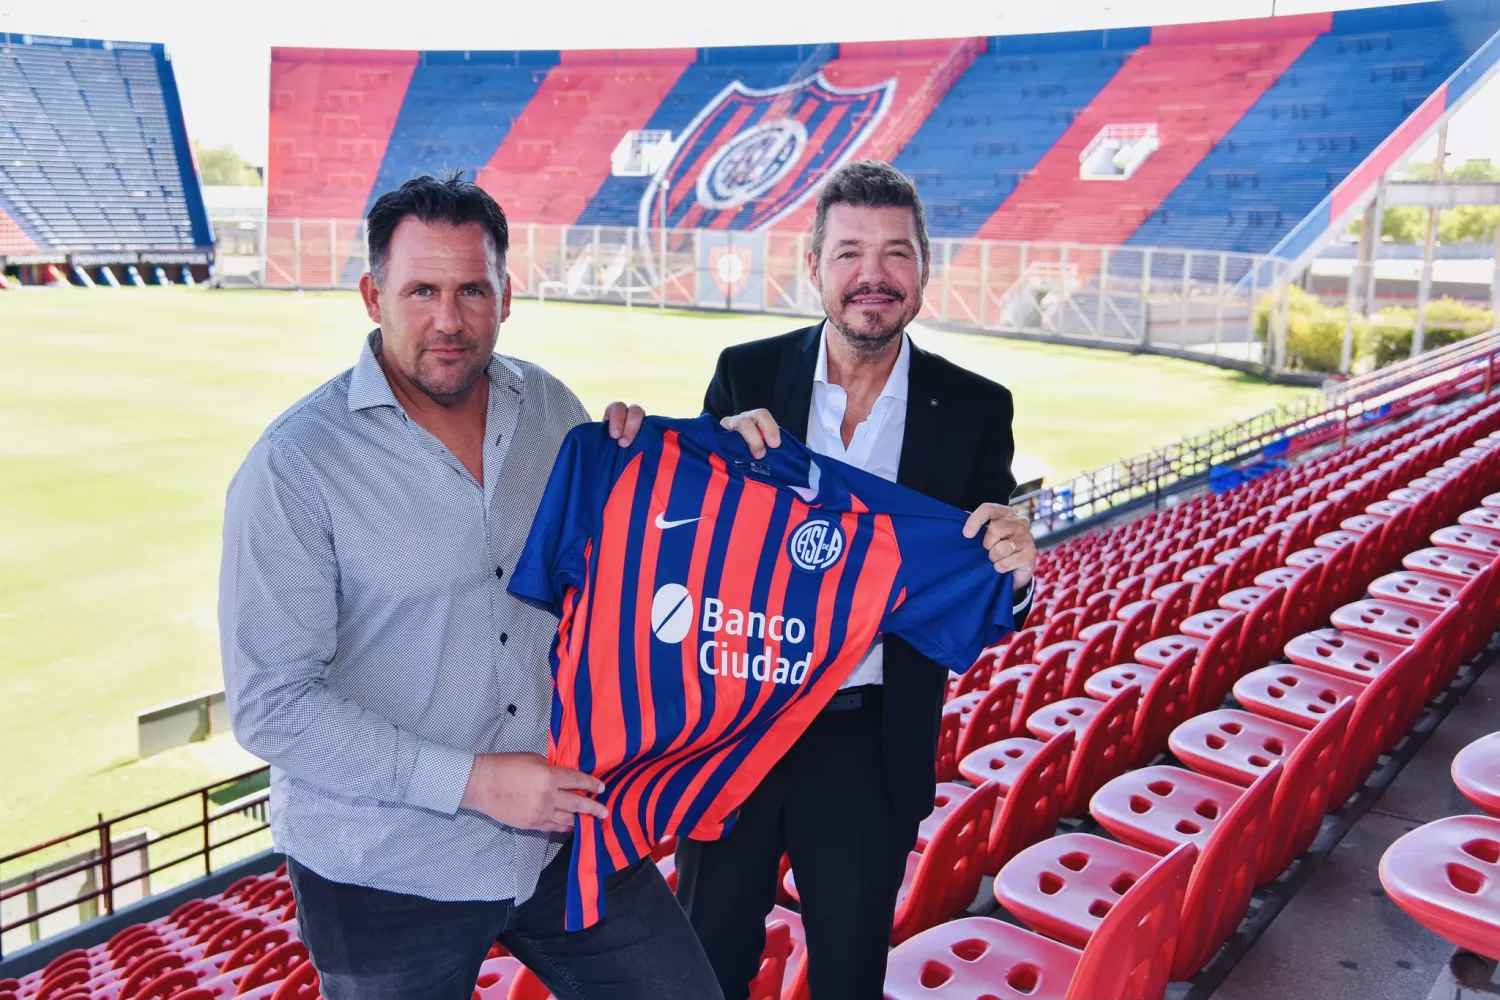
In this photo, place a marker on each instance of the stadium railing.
(82, 871)
(1288, 428)
(1194, 303)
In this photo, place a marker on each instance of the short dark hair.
(868, 184)
(448, 199)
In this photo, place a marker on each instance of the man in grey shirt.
(373, 656)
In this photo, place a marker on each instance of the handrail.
(1101, 490)
(102, 857)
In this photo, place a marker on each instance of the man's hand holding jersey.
(525, 792)
(1007, 535)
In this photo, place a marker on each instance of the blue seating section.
(457, 111)
(1348, 91)
(93, 150)
(1000, 118)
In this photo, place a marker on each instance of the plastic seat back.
(1135, 630)
(1207, 591)
(1132, 951)
(1130, 589)
(769, 978)
(1095, 653)
(947, 873)
(274, 964)
(1384, 711)
(1301, 606)
(1029, 813)
(950, 729)
(1217, 666)
(977, 677)
(794, 983)
(993, 719)
(1043, 686)
(1061, 626)
(1021, 649)
(1095, 610)
(302, 984)
(1260, 632)
(1173, 601)
(526, 986)
(1103, 750)
(1164, 705)
(1308, 779)
(1225, 875)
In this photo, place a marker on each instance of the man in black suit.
(846, 800)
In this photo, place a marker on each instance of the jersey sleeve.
(553, 559)
(950, 604)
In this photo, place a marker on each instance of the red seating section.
(1370, 567)
(242, 942)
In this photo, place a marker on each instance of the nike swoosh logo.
(664, 524)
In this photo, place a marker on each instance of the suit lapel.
(791, 400)
(920, 446)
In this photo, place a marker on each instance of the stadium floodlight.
(1116, 152)
(642, 152)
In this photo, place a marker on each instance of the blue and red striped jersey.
(711, 604)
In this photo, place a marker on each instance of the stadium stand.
(1256, 120)
(93, 150)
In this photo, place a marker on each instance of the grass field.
(123, 415)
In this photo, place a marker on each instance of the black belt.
(856, 697)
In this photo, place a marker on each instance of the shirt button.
(500, 571)
(502, 638)
(511, 709)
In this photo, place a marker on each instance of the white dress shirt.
(875, 448)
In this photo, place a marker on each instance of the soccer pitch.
(126, 412)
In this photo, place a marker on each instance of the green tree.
(221, 165)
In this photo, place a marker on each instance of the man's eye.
(473, 290)
(422, 291)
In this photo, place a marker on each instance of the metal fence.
(1469, 364)
(1201, 303)
(89, 872)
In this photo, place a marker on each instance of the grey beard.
(867, 347)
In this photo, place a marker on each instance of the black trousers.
(827, 805)
(368, 944)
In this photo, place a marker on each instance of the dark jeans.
(369, 944)
(827, 804)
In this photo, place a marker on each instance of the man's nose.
(448, 315)
(872, 269)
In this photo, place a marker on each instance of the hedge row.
(1315, 332)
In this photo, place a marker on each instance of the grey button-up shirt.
(370, 648)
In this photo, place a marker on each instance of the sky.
(222, 59)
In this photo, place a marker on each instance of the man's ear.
(813, 274)
(505, 300)
(370, 292)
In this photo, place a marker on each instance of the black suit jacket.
(957, 448)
